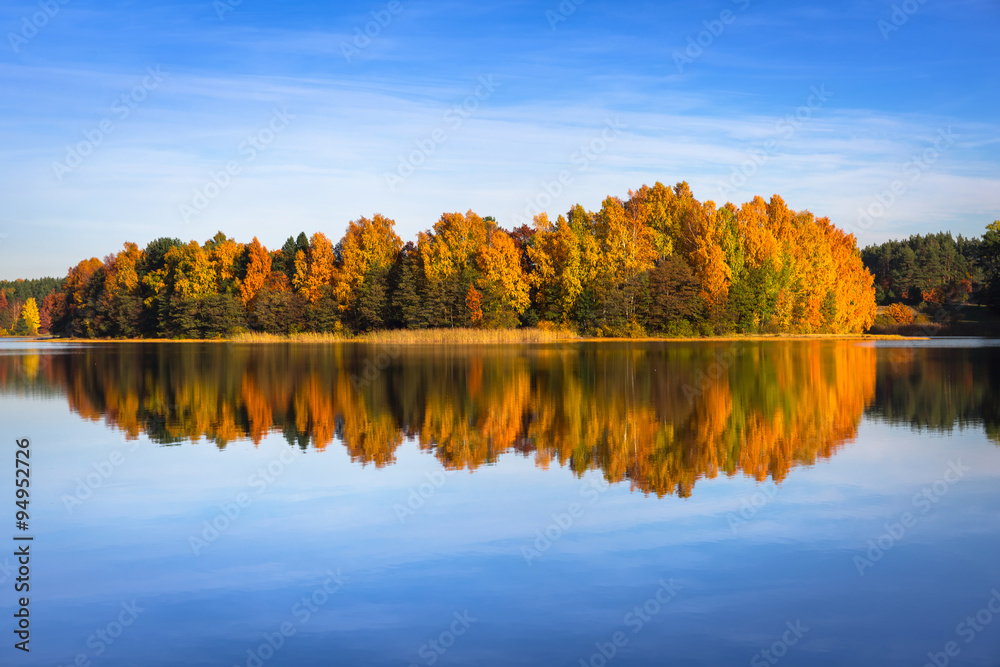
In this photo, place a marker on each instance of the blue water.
(338, 563)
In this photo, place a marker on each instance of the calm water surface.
(801, 503)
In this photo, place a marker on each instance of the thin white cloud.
(329, 166)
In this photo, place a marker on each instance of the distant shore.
(474, 337)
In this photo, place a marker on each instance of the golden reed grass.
(419, 337)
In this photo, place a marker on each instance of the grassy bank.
(489, 337)
(419, 337)
(522, 336)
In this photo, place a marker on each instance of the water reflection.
(940, 388)
(659, 415)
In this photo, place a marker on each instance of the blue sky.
(487, 104)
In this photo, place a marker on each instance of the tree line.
(19, 309)
(658, 262)
(937, 270)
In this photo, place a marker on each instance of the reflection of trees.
(769, 408)
(939, 388)
(660, 415)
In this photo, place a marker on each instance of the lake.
(811, 502)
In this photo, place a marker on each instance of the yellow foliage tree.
(368, 246)
(453, 245)
(557, 258)
(224, 254)
(29, 320)
(124, 276)
(501, 280)
(190, 271)
(628, 250)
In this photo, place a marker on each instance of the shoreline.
(437, 337)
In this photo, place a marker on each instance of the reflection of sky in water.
(462, 551)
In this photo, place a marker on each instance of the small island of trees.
(657, 263)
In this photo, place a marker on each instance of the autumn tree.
(851, 288)
(227, 260)
(588, 304)
(28, 323)
(501, 280)
(449, 261)
(628, 252)
(258, 263)
(557, 275)
(474, 303)
(153, 277)
(120, 299)
(45, 313)
(315, 269)
(368, 250)
(315, 276)
(700, 242)
(659, 208)
(6, 322)
(756, 268)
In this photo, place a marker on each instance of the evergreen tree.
(407, 293)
